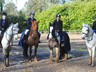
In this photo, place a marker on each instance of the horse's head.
(15, 30)
(86, 31)
(54, 33)
(34, 26)
(34, 29)
(50, 31)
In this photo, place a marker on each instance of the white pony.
(10, 34)
(90, 37)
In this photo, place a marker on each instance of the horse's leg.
(35, 53)
(51, 54)
(57, 54)
(25, 51)
(60, 56)
(93, 56)
(90, 56)
(6, 57)
(66, 55)
(30, 52)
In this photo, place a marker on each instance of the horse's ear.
(38, 21)
(50, 23)
(88, 24)
(11, 23)
(16, 23)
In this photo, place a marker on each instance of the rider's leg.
(39, 37)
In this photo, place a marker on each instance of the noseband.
(87, 30)
(9, 34)
(87, 34)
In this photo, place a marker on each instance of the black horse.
(64, 49)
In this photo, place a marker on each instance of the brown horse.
(33, 39)
(54, 44)
(62, 47)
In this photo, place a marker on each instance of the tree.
(1, 5)
(11, 9)
(36, 5)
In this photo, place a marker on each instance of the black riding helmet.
(58, 15)
(4, 13)
(32, 13)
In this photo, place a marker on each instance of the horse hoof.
(92, 65)
(89, 64)
(65, 59)
(51, 61)
(35, 60)
(57, 61)
(60, 58)
(7, 65)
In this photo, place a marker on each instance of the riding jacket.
(57, 25)
(29, 22)
(4, 24)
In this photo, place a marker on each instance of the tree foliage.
(73, 15)
(11, 9)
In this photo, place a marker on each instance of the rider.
(4, 22)
(57, 24)
(26, 31)
(32, 14)
(94, 24)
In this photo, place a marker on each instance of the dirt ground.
(77, 62)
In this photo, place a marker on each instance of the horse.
(90, 38)
(32, 40)
(56, 43)
(65, 46)
(10, 34)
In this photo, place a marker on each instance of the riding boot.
(39, 37)
(48, 36)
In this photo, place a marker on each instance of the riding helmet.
(4, 13)
(32, 13)
(58, 15)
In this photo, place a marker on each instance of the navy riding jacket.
(29, 22)
(4, 24)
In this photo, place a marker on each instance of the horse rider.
(94, 25)
(26, 31)
(4, 23)
(31, 18)
(57, 25)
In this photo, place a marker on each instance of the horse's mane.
(9, 26)
(34, 27)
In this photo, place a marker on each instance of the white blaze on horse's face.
(50, 34)
(85, 31)
(15, 31)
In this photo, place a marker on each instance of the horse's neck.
(8, 33)
(90, 31)
(90, 34)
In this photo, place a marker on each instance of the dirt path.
(77, 62)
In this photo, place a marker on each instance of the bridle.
(87, 34)
(10, 35)
(87, 31)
